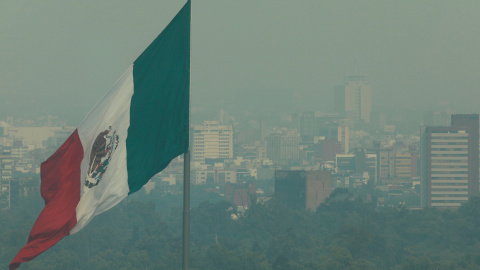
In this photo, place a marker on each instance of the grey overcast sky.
(60, 57)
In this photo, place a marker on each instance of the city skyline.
(300, 134)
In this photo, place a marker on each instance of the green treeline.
(344, 233)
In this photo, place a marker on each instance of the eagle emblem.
(103, 147)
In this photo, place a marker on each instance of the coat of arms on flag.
(103, 147)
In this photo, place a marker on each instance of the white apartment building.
(450, 162)
(449, 169)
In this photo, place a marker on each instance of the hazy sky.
(60, 57)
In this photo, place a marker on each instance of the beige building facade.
(212, 140)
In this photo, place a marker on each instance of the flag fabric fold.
(132, 133)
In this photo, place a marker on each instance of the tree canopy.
(344, 233)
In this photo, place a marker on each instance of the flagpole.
(186, 173)
(186, 210)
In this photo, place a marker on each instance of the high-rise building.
(449, 162)
(212, 140)
(354, 99)
(283, 145)
(302, 189)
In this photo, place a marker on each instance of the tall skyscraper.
(354, 99)
(449, 161)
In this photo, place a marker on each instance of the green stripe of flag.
(159, 112)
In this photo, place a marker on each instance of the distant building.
(387, 164)
(302, 189)
(215, 176)
(345, 164)
(212, 140)
(337, 133)
(204, 177)
(449, 162)
(357, 165)
(13, 190)
(354, 99)
(173, 174)
(324, 125)
(6, 164)
(6, 167)
(309, 127)
(247, 151)
(406, 165)
(325, 150)
(371, 167)
(240, 194)
(344, 138)
(31, 135)
(283, 145)
(9, 193)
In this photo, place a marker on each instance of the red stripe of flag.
(60, 188)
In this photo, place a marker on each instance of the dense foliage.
(344, 233)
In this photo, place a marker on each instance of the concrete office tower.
(302, 189)
(449, 162)
(354, 99)
(212, 140)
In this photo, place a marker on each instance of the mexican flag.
(130, 135)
